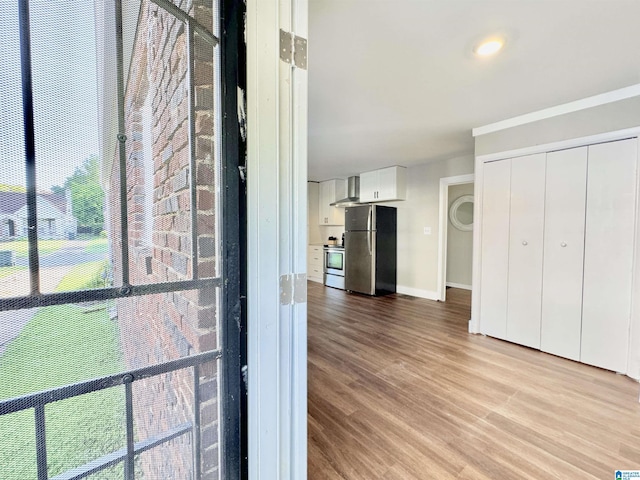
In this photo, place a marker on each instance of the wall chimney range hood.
(353, 193)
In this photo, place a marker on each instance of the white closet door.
(525, 250)
(495, 248)
(566, 184)
(609, 242)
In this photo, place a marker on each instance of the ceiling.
(395, 82)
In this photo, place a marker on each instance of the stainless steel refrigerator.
(370, 249)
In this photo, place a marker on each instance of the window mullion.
(29, 145)
(41, 442)
(192, 149)
(122, 153)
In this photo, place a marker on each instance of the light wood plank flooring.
(399, 390)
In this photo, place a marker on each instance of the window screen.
(114, 249)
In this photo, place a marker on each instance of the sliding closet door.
(566, 183)
(495, 248)
(525, 250)
(609, 244)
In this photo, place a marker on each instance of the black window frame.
(232, 350)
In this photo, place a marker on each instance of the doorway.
(456, 215)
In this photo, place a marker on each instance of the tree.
(87, 196)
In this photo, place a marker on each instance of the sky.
(64, 85)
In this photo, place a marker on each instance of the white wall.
(459, 243)
(332, 231)
(417, 252)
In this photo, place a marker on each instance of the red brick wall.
(162, 327)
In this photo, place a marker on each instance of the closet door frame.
(633, 363)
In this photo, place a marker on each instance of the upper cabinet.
(329, 192)
(384, 185)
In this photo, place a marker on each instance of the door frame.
(443, 223)
(276, 114)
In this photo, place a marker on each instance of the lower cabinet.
(558, 240)
(315, 267)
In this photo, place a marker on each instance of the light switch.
(427, 230)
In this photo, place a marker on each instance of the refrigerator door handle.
(369, 222)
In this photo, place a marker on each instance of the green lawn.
(59, 346)
(21, 247)
(83, 276)
(97, 245)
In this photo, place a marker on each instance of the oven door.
(334, 262)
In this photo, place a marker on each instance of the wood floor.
(399, 390)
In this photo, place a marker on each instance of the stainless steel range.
(334, 262)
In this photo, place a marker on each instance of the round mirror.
(461, 213)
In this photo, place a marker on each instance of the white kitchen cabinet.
(315, 263)
(495, 248)
(608, 256)
(314, 234)
(524, 285)
(565, 202)
(383, 185)
(329, 192)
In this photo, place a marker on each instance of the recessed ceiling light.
(489, 47)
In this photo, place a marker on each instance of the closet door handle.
(525, 243)
(563, 244)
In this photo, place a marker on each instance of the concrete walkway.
(53, 269)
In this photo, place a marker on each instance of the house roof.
(11, 202)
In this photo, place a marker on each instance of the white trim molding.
(575, 106)
(416, 292)
(562, 145)
(458, 285)
(445, 183)
(633, 362)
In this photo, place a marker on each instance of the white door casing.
(443, 216)
(276, 231)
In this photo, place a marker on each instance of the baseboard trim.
(416, 292)
(458, 285)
